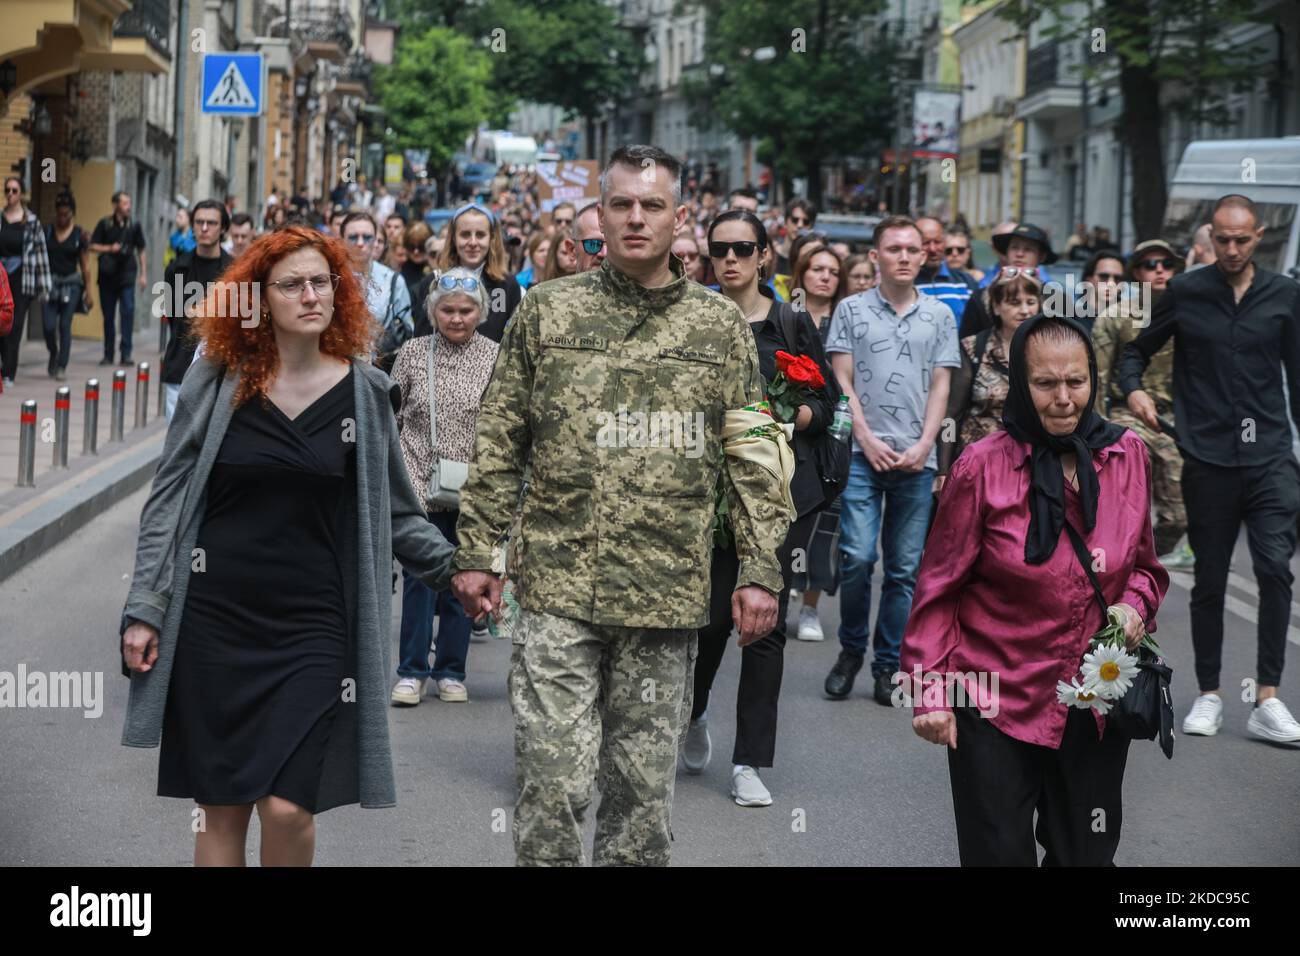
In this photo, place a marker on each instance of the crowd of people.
(969, 407)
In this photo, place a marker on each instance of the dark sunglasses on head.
(743, 249)
(1169, 264)
(592, 246)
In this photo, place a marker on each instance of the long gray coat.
(358, 765)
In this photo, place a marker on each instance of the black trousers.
(10, 343)
(998, 783)
(762, 663)
(1267, 498)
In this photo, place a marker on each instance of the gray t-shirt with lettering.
(893, 358)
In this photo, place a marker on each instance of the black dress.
(263, 642)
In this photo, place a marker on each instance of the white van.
(501, 148)
(1265, 170)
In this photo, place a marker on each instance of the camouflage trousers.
(1166, 481)
(603, 704)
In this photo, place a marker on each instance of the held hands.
(1134, 629)
(879, 455)
(1140, 404)
(754, 611)
(913, 459)
(479, 593)
(938, 727)
(140, 646)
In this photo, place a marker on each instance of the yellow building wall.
(92, 184)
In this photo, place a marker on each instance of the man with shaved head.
(1235, 326)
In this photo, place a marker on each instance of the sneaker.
(480, 631)
(839, 682)
(1272, 721)
(107, 360)
(126, 360)
(8, 382)
(748, 789)
(1179, 559)
(883, 692)
(1206, 716)
(697, 748)
(810, 627)
(60, 374)
(407, 692)
(452, 691)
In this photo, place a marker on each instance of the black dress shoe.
(126, 360)
(884, 692)
(839, 682)
(107, 360)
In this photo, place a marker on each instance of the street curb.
(37, 532)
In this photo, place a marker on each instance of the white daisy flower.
(1108, 671)
(1074, 695)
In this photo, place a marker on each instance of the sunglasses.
(1010, 273)
(468, 283)
(1167, 264)
(562, 222)
(10, 191)
(1110, 276)
(953, 250)
(592, 246)
(743, 249)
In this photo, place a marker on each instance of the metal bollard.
(162, 394)
(27, 445)
(141, 394)
(90, 427)
(117, 422)
(62, 408)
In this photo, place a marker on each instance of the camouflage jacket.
(617, 394)
(1110, 333)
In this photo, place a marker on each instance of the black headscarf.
(1047, 478)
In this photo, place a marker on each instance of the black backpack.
(831, 455)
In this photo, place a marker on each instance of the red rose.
(783, 362)
(803, 371)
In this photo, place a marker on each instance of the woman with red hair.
(256, 631)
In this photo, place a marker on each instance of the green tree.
(435, 93)
(1169, 52)
(796, 76)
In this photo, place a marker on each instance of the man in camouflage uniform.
(1154, 262)
(614, 546)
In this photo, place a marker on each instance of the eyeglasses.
(592, 246)
(468, 283)
(359, 239)
(1110, 276)
(799, 221)
(1167, 264)
(207, 223)
(10, 190)
(562, 222)
(323, 285)
(953, 250)
(743, 249)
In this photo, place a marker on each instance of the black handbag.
(1147, 710)
(831, 455)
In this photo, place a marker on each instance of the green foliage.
(435, 93)
(819, 97)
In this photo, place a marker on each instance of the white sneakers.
(407, 692)
(697, 748)
(1269, 719)
(1272, 721)
(1206, 716)
(748, 789)
(810, 628)
(452, 691)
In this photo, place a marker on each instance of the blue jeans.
(419, 605)
(894, 507)
(57, 318)
(109, 299)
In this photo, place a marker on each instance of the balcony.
(149, 20)
(322, 29)
(354, 75)
(1051, 82)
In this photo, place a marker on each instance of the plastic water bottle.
(842, 424)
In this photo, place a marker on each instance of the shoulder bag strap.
(433, 402)
(1081, 552)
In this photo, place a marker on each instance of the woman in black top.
(737, 246)
(69, 251)
(474, 242)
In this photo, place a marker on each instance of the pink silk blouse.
(1007, 631)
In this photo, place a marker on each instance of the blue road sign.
(232, 84)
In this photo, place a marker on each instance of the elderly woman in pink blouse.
(1004, 610)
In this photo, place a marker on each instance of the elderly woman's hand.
(140, 646)
(938, 727)
(1133, 626)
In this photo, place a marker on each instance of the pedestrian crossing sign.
(232, 84)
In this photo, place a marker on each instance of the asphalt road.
(852, 785)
